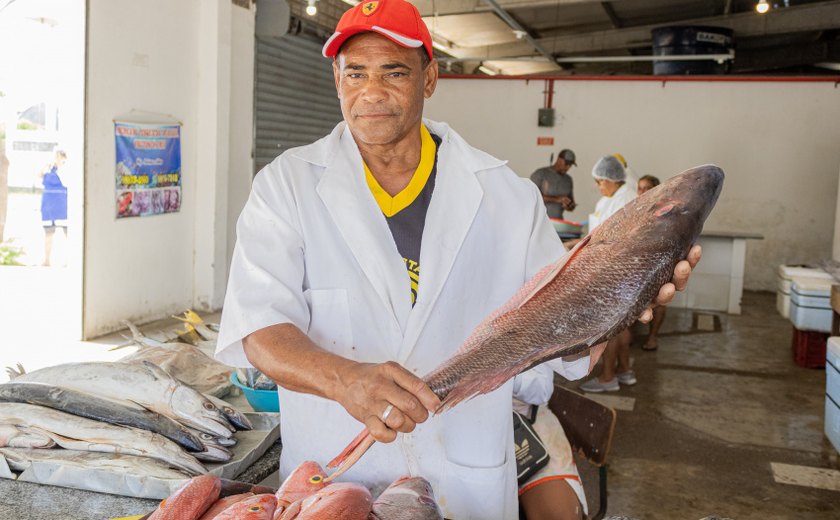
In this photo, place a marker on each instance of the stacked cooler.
(832, 392)
(785, 277)
(804, 296)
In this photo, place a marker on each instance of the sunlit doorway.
(42, 72)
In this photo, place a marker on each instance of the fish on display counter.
(224, 503)
(306, 479)
(143, 383)
(190, 500)
(12, 436)
(344, 500)
(407, 498)
(183, 361)
(74, 432)
(595, 291)
(258, 507)
(234, 416)
(20, 459)
(92, 407)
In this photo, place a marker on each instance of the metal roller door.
(295, 97)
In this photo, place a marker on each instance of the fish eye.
(209, 406)
(315, 479)
(254, 509)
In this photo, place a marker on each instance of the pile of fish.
(185, 357)
(135, 410)
(590, 295)
(304, 495)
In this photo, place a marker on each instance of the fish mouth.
(210, 424)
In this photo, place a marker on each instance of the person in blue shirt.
(53, 203)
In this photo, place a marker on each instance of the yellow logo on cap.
(369, 7)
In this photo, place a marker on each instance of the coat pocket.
(478, 493)
(329, 323)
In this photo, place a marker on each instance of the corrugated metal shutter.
(295, 97)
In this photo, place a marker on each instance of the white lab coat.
(313, 249)
(607, 206)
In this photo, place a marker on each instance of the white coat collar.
(455, 202)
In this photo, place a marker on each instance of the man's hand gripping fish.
(590, 295)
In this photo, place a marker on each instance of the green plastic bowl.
(566, 226)
(260, 400)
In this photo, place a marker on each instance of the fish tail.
(12, 373)
(351, 454)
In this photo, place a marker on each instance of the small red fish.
(342, 500)
(191, 500)
(258, 507)
(307, 479)
(224, 503)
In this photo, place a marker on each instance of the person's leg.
(551, 500)
(610, 358)
(623, 351)
(49, 234)
(652, 342)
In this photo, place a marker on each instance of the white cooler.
(784, 278)
(832, 391)
(810, 304)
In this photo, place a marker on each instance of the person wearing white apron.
(331, 295)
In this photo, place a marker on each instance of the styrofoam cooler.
(810, 304)
(832, 391)
(784, 278)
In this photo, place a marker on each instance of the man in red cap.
(331, 294)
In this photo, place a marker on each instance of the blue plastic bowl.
(260, 400)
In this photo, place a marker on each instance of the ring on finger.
(387, 412)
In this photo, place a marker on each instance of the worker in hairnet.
(610, 177)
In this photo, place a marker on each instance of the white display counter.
(718, 281)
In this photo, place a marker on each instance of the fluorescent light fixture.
(311, 8)
(762, 6)
(487, 70)
(351, 2)
(441, 47)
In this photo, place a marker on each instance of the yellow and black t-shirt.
(406, 211)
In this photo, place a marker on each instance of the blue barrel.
(688, 40)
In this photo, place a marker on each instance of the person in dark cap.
(556, 184)
(365, 259)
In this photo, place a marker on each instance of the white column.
(213, 153)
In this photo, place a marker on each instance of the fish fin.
(351, 454)
(546, 275)
(12, 373)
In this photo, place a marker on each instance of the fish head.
(677, 207)
(408, 497)
(258, 507)
(198, 412)
(306, 479)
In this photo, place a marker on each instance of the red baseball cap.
(396, 19)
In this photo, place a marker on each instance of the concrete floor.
(710, 413)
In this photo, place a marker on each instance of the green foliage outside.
(26, 125)
(10, 254)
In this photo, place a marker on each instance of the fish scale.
(594, 292)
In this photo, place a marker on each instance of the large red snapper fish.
(191, 500)
(342, 500)
(590, 295)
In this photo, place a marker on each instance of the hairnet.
(608, 168)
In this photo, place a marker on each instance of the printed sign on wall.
(148, 170)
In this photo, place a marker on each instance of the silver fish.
(236, 418)
(73, 432)
(105, 410)
(12, 436)
(143, 383)
(20, 459)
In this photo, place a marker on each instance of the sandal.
(649, 348)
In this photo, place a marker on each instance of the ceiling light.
(311, 9)
(762, 6)
(487, 70)
(351, 2)
(519, 34)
